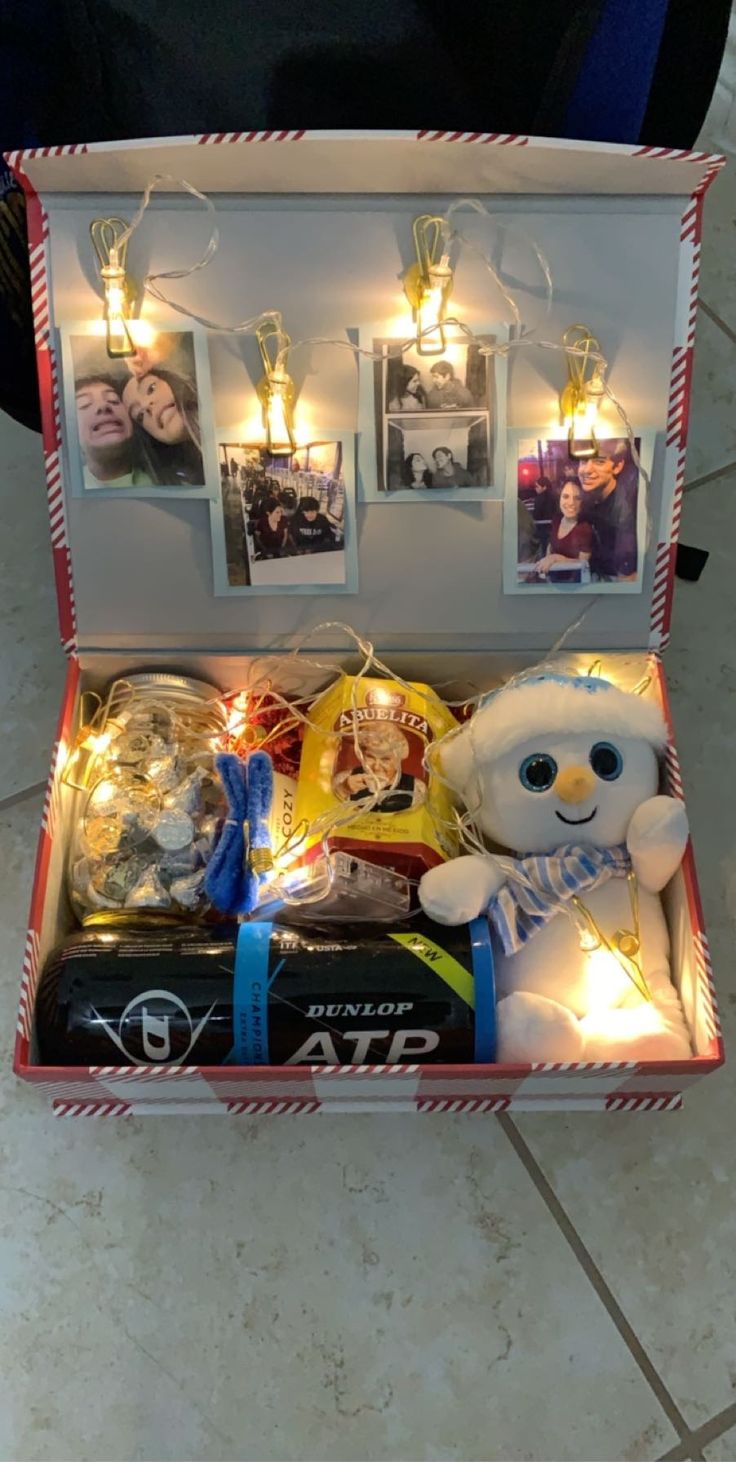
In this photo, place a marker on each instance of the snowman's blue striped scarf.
(538, 885)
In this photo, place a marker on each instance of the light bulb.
(589, 937)
(110, 242)
(279, 395)
(431, 308)
(589, 942)
(119, 341)
(237, 713)
(276, 389)
(97, 743)
(586, 386)
(606, 980)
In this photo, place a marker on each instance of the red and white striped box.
(636, 185)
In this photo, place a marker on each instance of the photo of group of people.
(136, 422)
(577, 519)
(285, 520)
(432, 431)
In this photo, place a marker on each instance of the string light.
(428, 284)
(443, 227)
(276, 390)
(109, 239)
(580, 400)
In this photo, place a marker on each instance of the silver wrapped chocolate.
(118, 876)
(173, 830)
(177, 865)
(187, 796)
(148, 892)
(187, 892)
(164, 771)
(209, 828)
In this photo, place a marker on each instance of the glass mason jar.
(151, 803)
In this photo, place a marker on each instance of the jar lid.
(165, 680)
(140, 919)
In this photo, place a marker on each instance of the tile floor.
(375, 1287)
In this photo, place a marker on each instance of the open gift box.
(316, 226)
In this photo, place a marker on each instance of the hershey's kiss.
(173, 830)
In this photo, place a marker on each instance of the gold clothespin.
(580, 399)
(428, 283)
(624, 945)
(276, 389)
(86, 742)
(110, 242)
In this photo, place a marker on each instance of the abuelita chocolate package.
(363, 780)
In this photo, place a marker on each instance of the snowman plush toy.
(563, 772)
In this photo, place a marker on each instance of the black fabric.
(686, 73)
(690, 562)
(132, 69)
(18, 379)
(100, 70)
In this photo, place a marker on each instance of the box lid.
(317, 226)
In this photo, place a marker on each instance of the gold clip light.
(580, 400)
(623, 946)
(110, 242)
(276, 389)
(428, 284)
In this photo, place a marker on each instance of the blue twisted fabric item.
(231, 883)
(538, 885)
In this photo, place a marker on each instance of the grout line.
(16, 797)
(710, 476)
(588, 1264)
(710, 1430)
(727, 329)
(684, 1452)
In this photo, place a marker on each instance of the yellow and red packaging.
(410, 828)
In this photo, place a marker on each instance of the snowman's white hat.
(549, 704)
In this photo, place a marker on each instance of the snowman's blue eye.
(606, 761)
(537, 772)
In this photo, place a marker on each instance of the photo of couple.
(578, 519)
(284, 518)
(137, 420)
(434, 422)
(430, 455)
(409, 388)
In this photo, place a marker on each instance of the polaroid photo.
(285, 524)
(142, 425)
(575, 524)
(432, 428)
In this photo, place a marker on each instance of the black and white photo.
(454, 381)
(429, 424)
(437, 455)
(285, 522)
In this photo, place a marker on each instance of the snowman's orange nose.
(574, 784)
